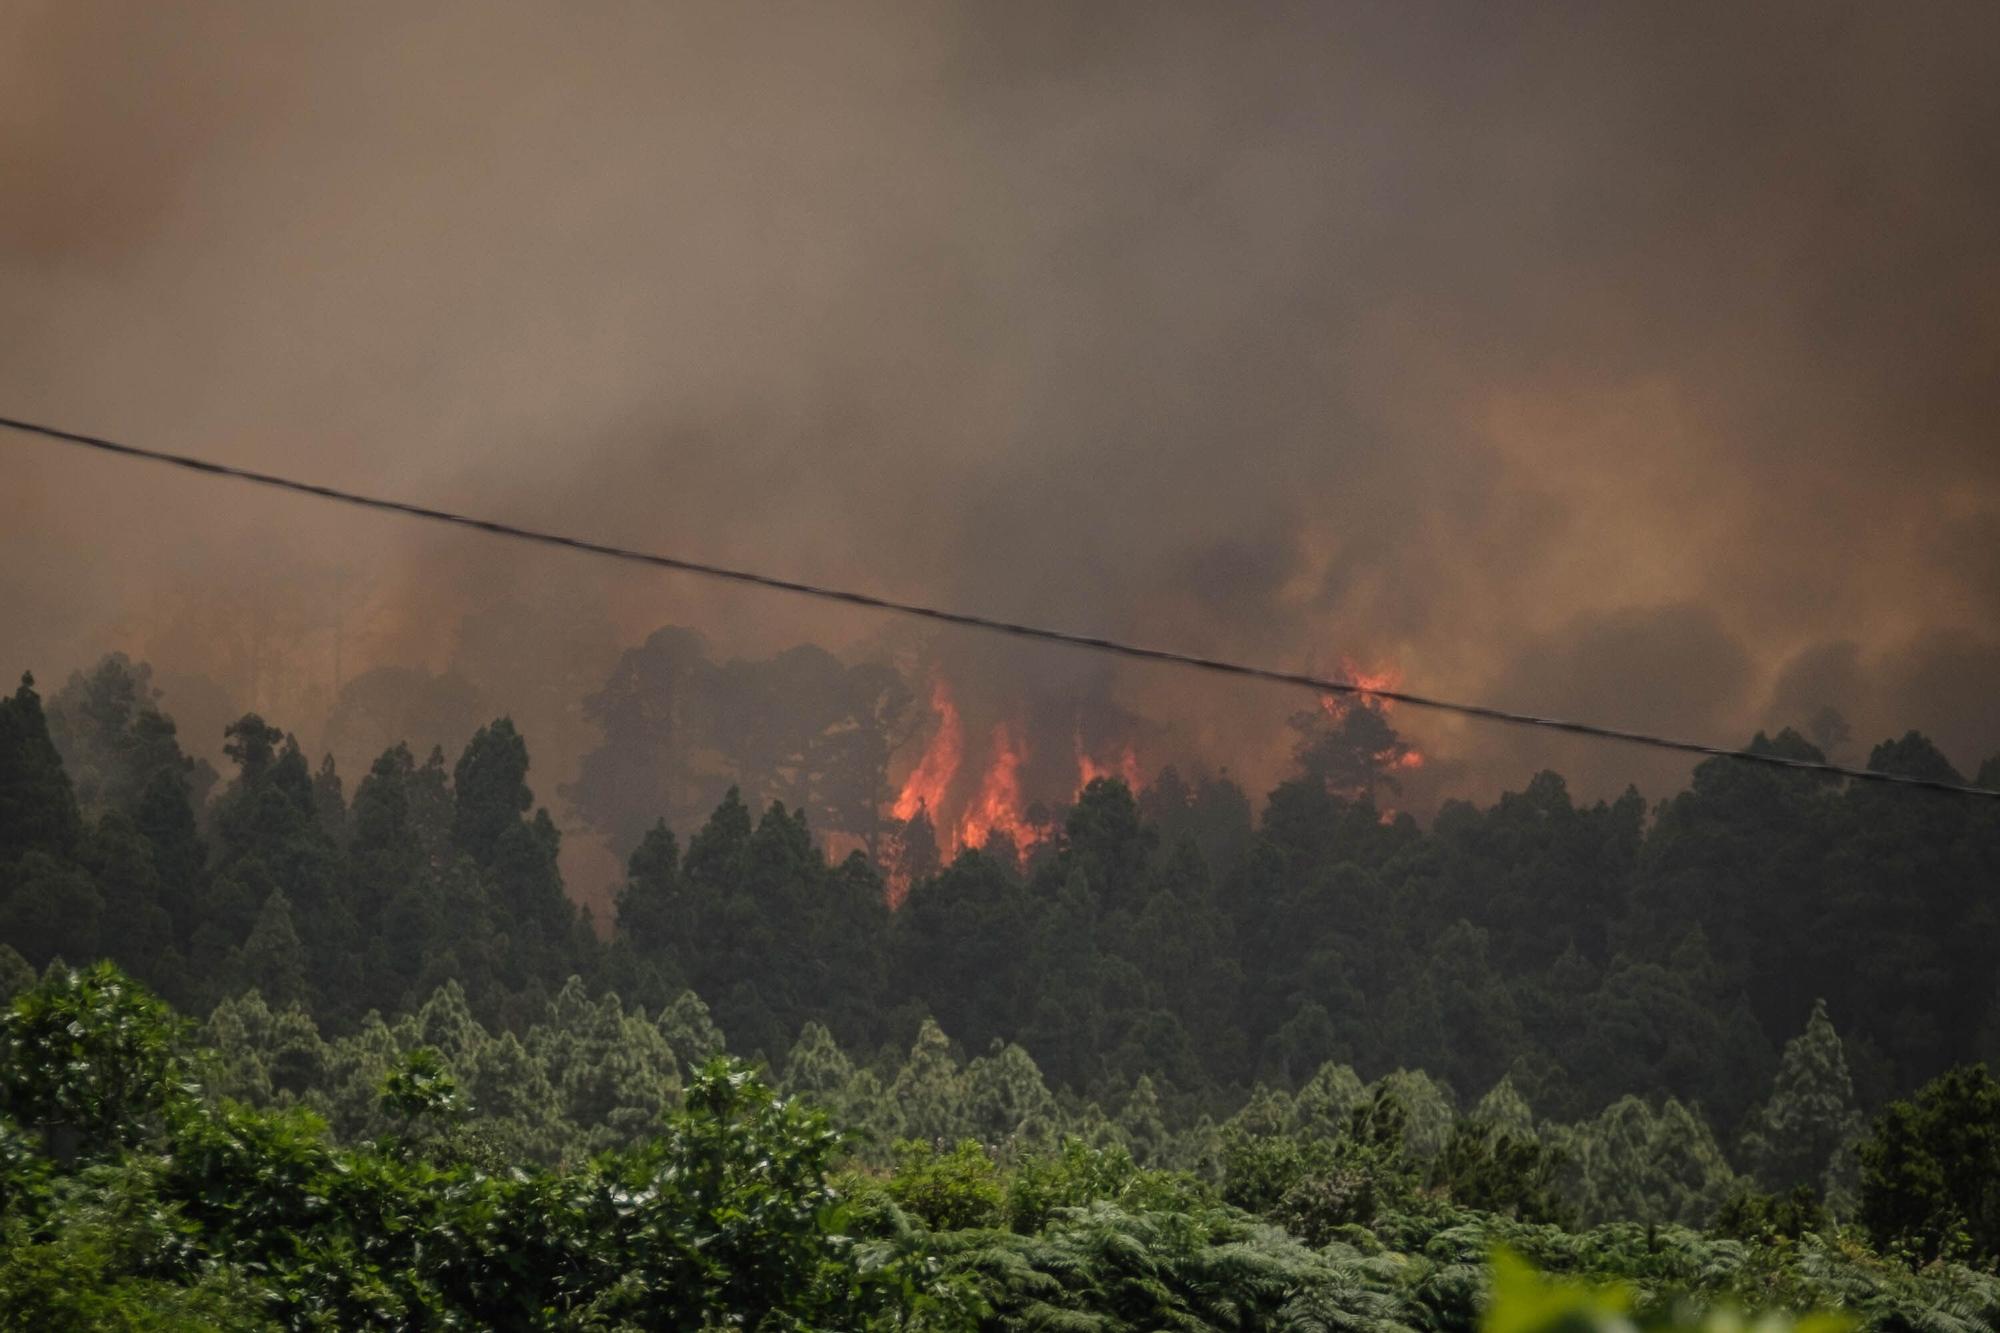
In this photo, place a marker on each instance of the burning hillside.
(1009, 780)
(911, 761)
(999, 791)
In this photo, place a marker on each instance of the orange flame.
(1405, 756)
(928, 782)
(1088, 769)
(1369, 682)
(997, 807)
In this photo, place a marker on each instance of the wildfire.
(1089, 770)
(931, 779)
(973, 789)
(1370, 684)
(997, 806)
(1403, 755)
(937, 788)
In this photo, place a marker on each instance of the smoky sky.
(1640, 362)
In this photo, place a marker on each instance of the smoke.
(1618, 360)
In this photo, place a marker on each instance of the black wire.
(1097, 643)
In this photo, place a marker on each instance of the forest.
(1179, 1058)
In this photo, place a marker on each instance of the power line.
(1091, 642)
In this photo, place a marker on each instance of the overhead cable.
(1090, 642)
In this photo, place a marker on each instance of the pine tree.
(164, 816)
(1503, 1109)
(690, 1032)
(1007, 1103)
(652, 906)
(1306, 1041)
(929, 1091)
(446, 1025)
(49, 908)
(1427, 1110)
(235, 1038)
(527, 891)
(38, 810)
(491, 788)
(329, 803)
(272, 960)
(818, 1070)
(1142, 1126)
(1321, 1108)
(137, 930)
(1631, 1163)
(1810, 1116)
(15, 974)
(509, 1090)
(356, 1065)
(912, 853)
(114, 740)
(613, 1073)
(294, 1055)
(1066, 1021)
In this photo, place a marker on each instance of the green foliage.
(1318, 1187)
(90, 1060)
(50, 908)
(732, 1210)
(1799, 1135)
(723, 1218)
(15, 974)
(192, 1213)
(612, 1073)
(100, 1251)
(929, 1091)
(1161, 962)
(1500, 1170)
(1636, 1162)
(949, 1191)
(114, 740)
(1766, 1218)
(1076, 1174)
(1576, 950)
(1930, 1182)
(1524, 1301)
(421, 1097)
(38, 811)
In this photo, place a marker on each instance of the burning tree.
(1000, 788)
(1348, 746)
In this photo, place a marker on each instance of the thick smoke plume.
(1629, 361)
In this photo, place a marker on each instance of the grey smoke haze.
(1638, 361)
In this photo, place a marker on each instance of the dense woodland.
(133, 1195)
(1524, 1019)
(1582, 952)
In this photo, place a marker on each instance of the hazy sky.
(1641, 362)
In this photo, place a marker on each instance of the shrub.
(950, 1191)
(1930, 1171)
(90, 1061)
